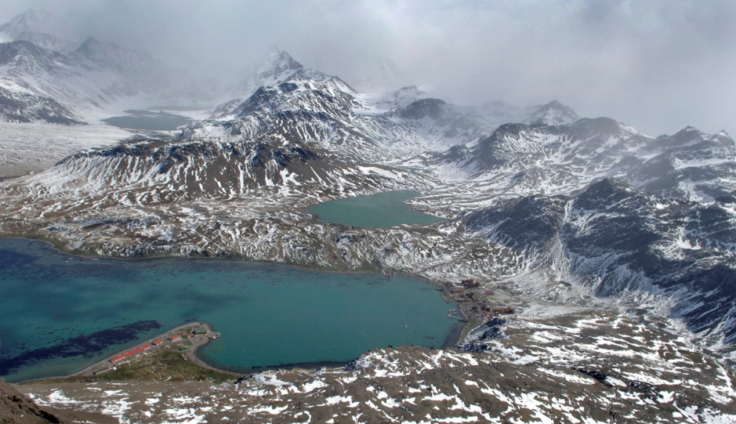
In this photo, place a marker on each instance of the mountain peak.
(91, 44)
(553, 113)
(89, 47)
(276, 63)
(32, 20)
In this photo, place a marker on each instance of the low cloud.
(656, 65)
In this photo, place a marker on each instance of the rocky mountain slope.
(300, 102)
(40, 85)
(34, 26)
(18, 408)
(590, 202)
(46, 79)
(547, 364)
(539, 203)
(623, 243)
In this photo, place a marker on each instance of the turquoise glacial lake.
(382, 210)
(60, 312)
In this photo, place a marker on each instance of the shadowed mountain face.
(591, 200)
(585, 200)
(618, 240)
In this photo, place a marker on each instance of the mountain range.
(590, 202)
(538, 201)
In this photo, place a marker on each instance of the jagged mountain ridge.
(305, 133)
(168, 171)
(84, 83)
(324, 109)
(619, 241)
(72, 83)
(33, 26)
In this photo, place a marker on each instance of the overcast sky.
(655, 65)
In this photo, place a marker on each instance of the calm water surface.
(147, 120)
(60, 312)
(382, 210)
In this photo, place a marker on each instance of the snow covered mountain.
(27, 89)
(44, 79)
(600, 205)
(274, 69)
(32, 26)
(295, 101)
(538, 190)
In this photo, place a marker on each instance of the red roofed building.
(175, 337)
(157, 342)
(129, 353)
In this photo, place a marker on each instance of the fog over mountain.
(655, 65)
(559, 172)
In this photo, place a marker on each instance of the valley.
(367, 257)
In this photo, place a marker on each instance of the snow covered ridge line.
(233, 183)
(47, 79)
(618, 241)
(688, 242)
(39, 85)
(565, 365)
(160, 171)
(319, 108)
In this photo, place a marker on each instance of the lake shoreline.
(452, 339)
(192, 355)
(103, 364)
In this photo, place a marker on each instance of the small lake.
(148, 120)
(382, 210)
(60, 312)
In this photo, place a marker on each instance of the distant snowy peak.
(277, 64)
(48, 42)
(272, 76)
(26, 58)
(33, 20)
(276, 67)
(102, 55)
(553, 113)
(35, 26)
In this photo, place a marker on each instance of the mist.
(657, 65)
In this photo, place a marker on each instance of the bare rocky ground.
(17, 408)
(547, 363)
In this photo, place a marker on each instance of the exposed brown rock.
(17, 408)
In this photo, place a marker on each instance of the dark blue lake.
(60, 312)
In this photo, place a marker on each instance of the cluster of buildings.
(465, 293)
(173, 338)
